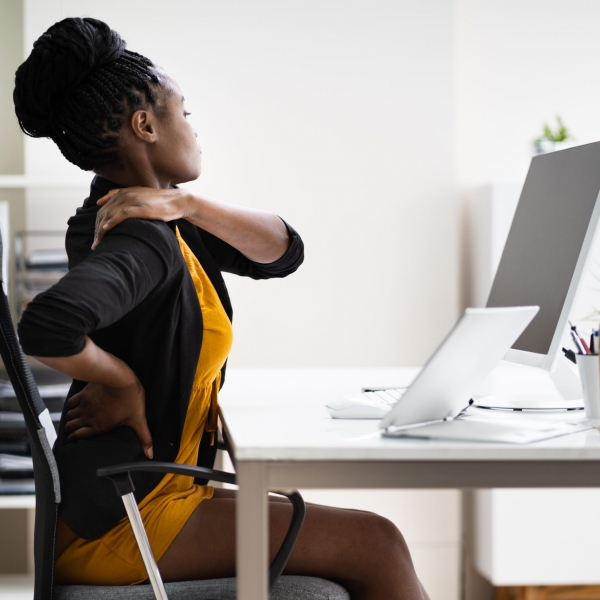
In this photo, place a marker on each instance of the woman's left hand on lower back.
(100, 408)
(138, 203)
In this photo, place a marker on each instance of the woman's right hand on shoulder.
(100, 408)
(138, 202)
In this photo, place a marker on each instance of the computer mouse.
(358, 406)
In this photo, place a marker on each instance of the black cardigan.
(135, 298)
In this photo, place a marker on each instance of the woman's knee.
(385, 535)
(377, 547)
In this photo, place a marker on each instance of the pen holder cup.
(589, 371)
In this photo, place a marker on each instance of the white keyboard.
(388, 396)
(369, 404)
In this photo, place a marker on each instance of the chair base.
(287, 588)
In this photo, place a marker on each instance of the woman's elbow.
(37, 338)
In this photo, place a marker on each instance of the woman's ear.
(143, 126)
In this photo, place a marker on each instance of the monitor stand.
(519, 387)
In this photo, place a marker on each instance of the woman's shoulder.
(132, 236)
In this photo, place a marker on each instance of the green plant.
(559, 135)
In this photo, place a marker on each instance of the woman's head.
(83, 89)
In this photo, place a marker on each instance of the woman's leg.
(360, 550)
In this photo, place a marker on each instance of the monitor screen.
(545, 239)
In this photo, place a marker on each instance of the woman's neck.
(129, 176)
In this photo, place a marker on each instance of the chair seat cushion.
(287, 588)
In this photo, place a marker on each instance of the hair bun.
(61, 59)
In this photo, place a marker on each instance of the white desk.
(283, 438)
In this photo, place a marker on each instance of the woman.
(142, 324)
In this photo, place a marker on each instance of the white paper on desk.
(493, 431)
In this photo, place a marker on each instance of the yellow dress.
(114, 558)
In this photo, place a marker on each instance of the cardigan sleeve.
(231, 260)
(94, 294)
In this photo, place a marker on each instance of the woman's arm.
(93, 365)
(113, 397)
(56, 325)
(259, 235)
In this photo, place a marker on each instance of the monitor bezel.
(548, 361)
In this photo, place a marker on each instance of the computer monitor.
(547, 248)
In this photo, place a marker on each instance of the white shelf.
(27, 181)
(16, 587)
(17, 501)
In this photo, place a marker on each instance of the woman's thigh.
(362, 551)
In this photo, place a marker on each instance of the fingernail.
(150, 453)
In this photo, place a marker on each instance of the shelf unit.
(18, 192)
(24, 182)
(17, 501)
(29, 181)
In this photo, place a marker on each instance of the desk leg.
(252, 532)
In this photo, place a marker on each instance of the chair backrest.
(42, 436)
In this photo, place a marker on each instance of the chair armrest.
(283, 555)
(120, 476)
(225, 443)
(166, 467)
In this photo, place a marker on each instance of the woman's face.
(177, 156)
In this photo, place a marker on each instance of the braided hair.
(78, 84)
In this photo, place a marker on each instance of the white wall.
(11, 38)
(518, 65)
(338, 115)
(11, 146)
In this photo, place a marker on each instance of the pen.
(578, 343)
(592, 345)
(585, 347)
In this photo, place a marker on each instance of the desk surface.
(279, 415)
(284, 439)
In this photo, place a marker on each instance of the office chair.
(41, 435)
